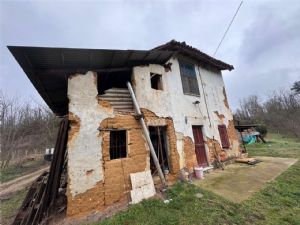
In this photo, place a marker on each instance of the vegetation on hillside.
(25, 130)
(280, 112)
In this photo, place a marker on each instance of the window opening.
(156, 81)
(108, 80)
(118, 144)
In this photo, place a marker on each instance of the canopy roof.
(48, 68)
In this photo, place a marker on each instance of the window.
(188, 78)
(224, 136)
(156, 82)
(118, 145)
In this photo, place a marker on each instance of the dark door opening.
(110, 80)
(199, 146)
(158, 137)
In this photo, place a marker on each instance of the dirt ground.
(20, 183)
(239, 181)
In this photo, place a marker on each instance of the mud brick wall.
(213, 145)
(116, 185)
(189, 153)
(90, 201)
(174, 156)
(232, 133)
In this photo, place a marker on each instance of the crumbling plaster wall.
(84, 154)
(94, 181)
(171, 102)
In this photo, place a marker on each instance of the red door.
(199, 146)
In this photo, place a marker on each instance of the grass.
(277, 146)
(280, 199)
(8, 208)
(13, 171)
(277, 203)
(185, 208)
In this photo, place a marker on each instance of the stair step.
(122, 107)
(114, 95)
(117, 90)
(116, 99)
(126, 110)
(121, 103)
(119, 98)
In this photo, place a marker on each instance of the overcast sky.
(263, 43)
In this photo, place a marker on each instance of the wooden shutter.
(224, 136)
(193, 84)
(188, 78)
(185, 84)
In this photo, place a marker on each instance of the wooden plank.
(244, 160)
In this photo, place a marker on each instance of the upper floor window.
(156, 81)
(188, 78)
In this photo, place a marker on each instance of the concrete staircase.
(119, 99)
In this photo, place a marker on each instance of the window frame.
(188, 79)
(111, 147)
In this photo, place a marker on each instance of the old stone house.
(180, 92)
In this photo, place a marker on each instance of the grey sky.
(262, 44)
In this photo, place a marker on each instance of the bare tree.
(24, 129)
(280, 112)
(250, 109)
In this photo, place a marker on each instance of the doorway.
(159, 140)
(108, 80)
(199, 146)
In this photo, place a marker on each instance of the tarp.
(249, 139)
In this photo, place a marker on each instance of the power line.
(228, 28)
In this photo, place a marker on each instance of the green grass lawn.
(9, 208)
(277, 146)
(278, 203)
(13, 172)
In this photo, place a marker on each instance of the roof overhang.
(200, 57)
(48, 68)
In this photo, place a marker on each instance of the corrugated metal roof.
(49, 68)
